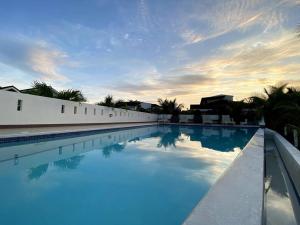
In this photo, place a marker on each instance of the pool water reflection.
(141, 176)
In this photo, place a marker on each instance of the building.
(137, 105)
(210, 103)
(33, 91)
(215, 99)
(10, 88)
(24, 91)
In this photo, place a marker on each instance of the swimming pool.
(138, 176)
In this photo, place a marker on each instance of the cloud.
(253, 55)
(241, 68)
(32, 57)
(227, 16)
(248, 65)
(191, 36)
(170, 85)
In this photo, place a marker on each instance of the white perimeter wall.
(43, 110)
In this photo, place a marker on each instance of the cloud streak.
(227, 16)
(32, 57)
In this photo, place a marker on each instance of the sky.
(146, 49)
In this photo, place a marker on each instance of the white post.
(285, 131)
(295, 134)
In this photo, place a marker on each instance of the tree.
(120, 104)
(134, 104)
(280, 106)
(108, 101)
(237, 111)
(71, 95)
(197, 116)
(41, 89)
(170, 107)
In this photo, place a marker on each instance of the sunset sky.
(145, 49)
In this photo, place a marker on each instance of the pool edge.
(237, 196)
(63, 133)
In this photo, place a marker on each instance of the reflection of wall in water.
(49, 151)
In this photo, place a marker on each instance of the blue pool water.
(142, 176)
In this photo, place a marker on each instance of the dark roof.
(217, 96)
(10, 87)
(195, 106)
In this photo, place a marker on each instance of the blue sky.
(145, 49)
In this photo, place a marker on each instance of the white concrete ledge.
(237, 197)
(290, 155)
(39, 131)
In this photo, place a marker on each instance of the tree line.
(279, 105)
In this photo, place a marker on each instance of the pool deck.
(36, 131)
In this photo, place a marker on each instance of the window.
(85, 110)
(62, 109)
(19, 106)
(94, 111)
(75, 109)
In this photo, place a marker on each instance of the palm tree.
(171, 107)
(237, 111)
(71, 95)
(280, 106)
(41, 89)
(108, 101)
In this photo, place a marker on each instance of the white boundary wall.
(37, 110)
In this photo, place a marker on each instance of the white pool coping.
(36, 131)
(237, 197)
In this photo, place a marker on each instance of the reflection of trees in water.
(151, 135)
(169, 138)
(113, 148)
(156, 134)
(134, 139)
(70, 163)
(221, 139)
(37, 172)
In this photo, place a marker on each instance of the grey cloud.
(172, 85)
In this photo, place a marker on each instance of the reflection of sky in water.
(150, 175)
(279, 210)
(280, 207)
